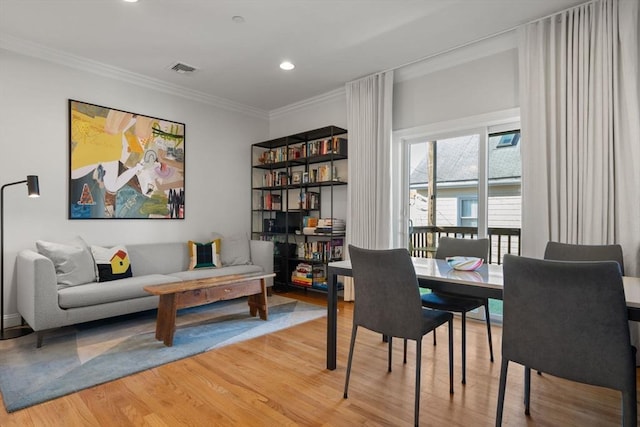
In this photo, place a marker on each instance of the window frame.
(483, 125)
(461, 200)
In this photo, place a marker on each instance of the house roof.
(457, 161)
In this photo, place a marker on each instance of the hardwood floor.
(280, 379)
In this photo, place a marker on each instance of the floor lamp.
(33, 190)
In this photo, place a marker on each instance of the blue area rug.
(78, 357)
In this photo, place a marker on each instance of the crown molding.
(24, 47)
(307, 103)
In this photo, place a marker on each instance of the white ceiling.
(330, 41)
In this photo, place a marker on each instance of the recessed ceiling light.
(131, 1)
(286, 65)
(238, 19)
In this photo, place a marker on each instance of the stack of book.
(331, 226)
(302, 275)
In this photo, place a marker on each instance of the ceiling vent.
(182, 68)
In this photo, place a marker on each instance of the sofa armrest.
(37, 289)
(262, 255)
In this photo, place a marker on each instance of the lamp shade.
(32, 186)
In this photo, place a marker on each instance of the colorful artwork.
(124, 165)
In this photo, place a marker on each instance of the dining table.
(436, 274)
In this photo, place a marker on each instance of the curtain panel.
(580, 126)
(369, 109)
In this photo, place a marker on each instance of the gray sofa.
(45, 304)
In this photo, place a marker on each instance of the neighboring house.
(457, 183)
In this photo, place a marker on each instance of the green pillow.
(204, 255)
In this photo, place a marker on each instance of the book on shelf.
(302, 275)
(276, 202)
(272, 202)
(321, 147)
(309, 221)
(275, 178)
(331, 226)
(308, 275)
(309, 200)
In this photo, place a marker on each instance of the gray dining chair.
(544, 327)
(570, 252)
(448, 247)
(577, 252)
(387, 301)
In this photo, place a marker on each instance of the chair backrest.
(568, 318)
(449, 246)
(387, 297)
(569, 252)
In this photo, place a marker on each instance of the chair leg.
(416, 415)
(488, 316)
(501, 389)
(464, 348)
(450, 356)
(434, 336)
(629, 408)
(405, 352)
(390, 352)
(527, 389)
(354, 330)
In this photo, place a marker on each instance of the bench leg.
(166, 323)
(258, 302)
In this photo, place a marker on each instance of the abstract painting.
(124, 165)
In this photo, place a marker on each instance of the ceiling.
(331, 42)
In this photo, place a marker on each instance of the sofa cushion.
(117, 290)
(235, 250)
(204, 255)
(158, 258)
(72, 261)
(111, 263)
(216, 272)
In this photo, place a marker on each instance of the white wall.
(34, 138)
(473, 80)
(325, 110)
(480, 86)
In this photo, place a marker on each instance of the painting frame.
(124, 165)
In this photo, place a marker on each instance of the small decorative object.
(296, 177)
(305, 177)
(464, 263)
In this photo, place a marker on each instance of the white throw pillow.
(72, 260)
(112, 263)
(235, 250)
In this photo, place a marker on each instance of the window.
(508, 139)
(460, 175)
(465, 176)
(468, 212)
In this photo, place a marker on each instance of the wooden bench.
(191, 293)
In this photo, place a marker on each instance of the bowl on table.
(464, 263)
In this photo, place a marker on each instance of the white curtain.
(369, 102)
(580, 127)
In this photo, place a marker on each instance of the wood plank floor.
(280, 379)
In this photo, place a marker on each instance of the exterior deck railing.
(501, 240)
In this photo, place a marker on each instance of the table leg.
(258, 302)
(166, 323)
(332, 319)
